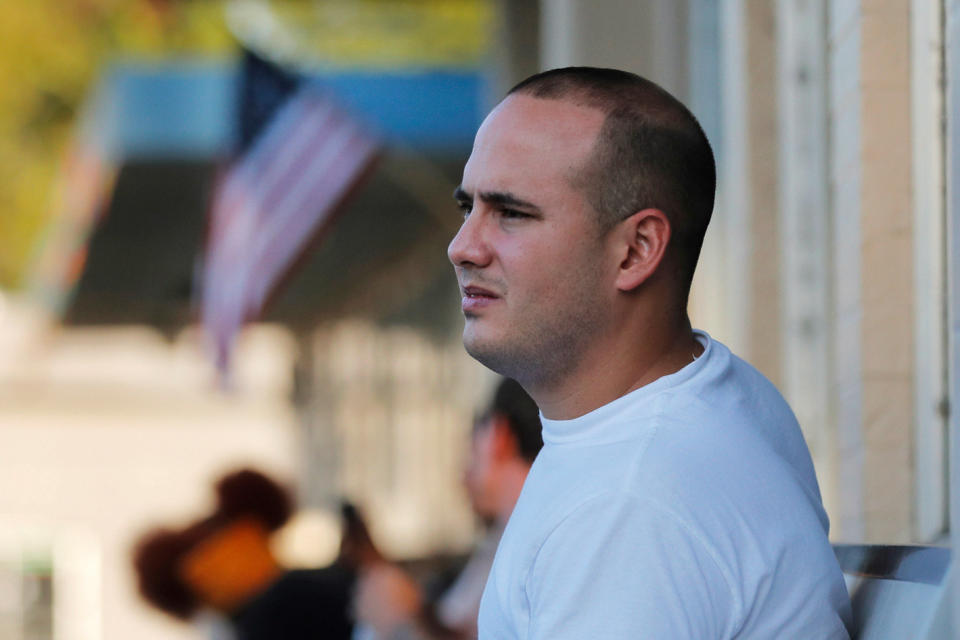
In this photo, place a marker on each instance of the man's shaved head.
(650, 154)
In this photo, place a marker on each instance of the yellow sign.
(368, 33)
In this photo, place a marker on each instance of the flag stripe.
(339, 170)
(272, 202)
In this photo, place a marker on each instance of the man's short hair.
(651, 153)
(521, 414)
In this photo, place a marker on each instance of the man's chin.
(491, 354)
(475, 344)
(472, 343)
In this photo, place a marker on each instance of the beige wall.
(643, 37)
(887, 270)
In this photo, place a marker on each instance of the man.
(674, 496)
(506, 439)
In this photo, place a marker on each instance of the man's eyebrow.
(502, 198)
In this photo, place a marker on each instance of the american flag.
(272, 201)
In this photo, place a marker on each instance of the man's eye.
(465, 208)
(513, 214)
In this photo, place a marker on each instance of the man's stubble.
(548, 341)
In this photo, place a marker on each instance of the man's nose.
(469, 247)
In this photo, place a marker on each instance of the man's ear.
(643, 240)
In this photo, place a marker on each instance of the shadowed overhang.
(165, 129)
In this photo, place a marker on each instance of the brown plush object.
(250, 493)
(155, 560)
(159, 554)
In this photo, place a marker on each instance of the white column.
(927, 60)
(804, 214)
(844, 36)
(708, 294)
(559, 45)
(732, 217)
(746, 214)
(953, 242)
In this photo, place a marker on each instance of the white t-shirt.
(685, 509)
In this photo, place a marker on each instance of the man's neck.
(615, 368)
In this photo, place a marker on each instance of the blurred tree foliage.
(371, 33)
(50, 53)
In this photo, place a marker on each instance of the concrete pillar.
(319, 446)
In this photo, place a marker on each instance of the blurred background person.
(221, 573)
(389, 602)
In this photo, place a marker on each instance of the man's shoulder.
(729, 407)
(730, 382)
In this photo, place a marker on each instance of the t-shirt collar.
(600, 425)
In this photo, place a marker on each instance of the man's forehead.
(549, 119)
(552, 136)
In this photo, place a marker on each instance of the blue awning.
(188, 109)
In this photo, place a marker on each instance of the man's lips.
(475, 291)
(476, 298)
